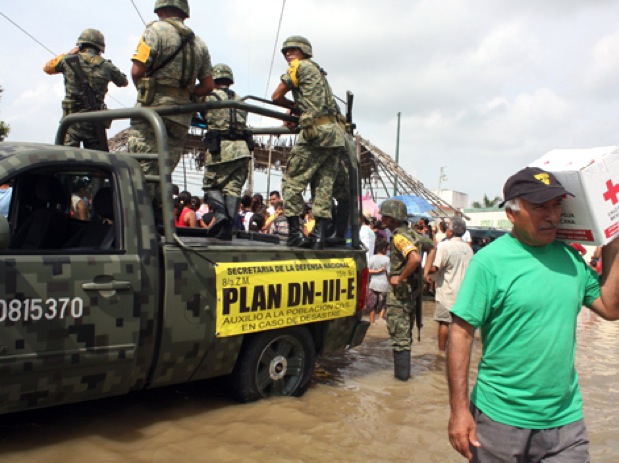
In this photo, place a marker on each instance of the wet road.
(354, 411)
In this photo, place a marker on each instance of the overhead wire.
(40, 43)
(138, 11)
(279, 25)
(26, 32)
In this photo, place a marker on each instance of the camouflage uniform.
(175, 82)
(100, 73)
(400, 300)
(227, 170)
(341, 191)
(341, 194)
(315, 156)
(341, 183)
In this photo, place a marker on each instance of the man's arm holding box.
(607, 305)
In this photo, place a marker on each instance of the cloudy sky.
(484, 87)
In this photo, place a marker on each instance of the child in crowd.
(379, 267)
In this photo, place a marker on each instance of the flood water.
(354, 411)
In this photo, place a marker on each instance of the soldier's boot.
(158, 214)
(231, 209)
(317, 236)
(340, 225)
(155, 195)
(216, 200)
(402, 364)
(296, 237)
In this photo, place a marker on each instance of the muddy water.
(353, 412)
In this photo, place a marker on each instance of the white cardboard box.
(592, 175)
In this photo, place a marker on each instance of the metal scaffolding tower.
(380, 174)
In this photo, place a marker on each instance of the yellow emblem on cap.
(544, 178)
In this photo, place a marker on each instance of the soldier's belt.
(233, 136)
(172, 91)
(74, 104)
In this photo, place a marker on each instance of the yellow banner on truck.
(258, 296)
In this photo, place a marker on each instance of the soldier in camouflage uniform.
(341, 193)
(168, 61)
(406, 283)
(228, 144)
(100, 72)
(314, 159)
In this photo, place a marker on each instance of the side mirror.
(5, 233)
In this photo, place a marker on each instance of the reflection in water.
(596, 361)
(355, 411)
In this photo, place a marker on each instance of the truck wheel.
(275, 363)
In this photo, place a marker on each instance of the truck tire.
(274, 363)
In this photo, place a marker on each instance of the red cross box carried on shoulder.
(592, 175)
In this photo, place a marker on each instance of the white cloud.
(34, 114)
(602, 75)
(484, 87)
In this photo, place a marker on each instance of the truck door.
(69, 322)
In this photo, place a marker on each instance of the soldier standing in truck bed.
(228, 150)
(168, 61)
(99, 72)
(314, 159)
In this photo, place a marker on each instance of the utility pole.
(184, 172)
(397, 156)
(250, 176)
(269, 164)
(441, 178)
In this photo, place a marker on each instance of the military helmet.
(394, 208)
(182, 5)
(92, 37)
(223, 72)
(297, 41)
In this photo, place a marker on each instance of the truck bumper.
(359, 333)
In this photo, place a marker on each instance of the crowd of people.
(253, 214)
(523, 292)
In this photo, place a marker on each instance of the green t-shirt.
(526, 300)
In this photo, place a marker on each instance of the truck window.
(63, 210)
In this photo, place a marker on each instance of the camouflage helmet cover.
(223, 71)
(92, 37)
(182, 5)
(394, 208)
(297, 41)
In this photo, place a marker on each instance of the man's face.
(273, 199)
(389, 222)
(536, 224)
(293, 53)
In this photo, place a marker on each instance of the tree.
(486, 203)
(4, 127)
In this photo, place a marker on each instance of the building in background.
(457, 199)
(491, 217)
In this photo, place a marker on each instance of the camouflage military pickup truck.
(114, 304)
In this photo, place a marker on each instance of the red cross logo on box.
(613, 191)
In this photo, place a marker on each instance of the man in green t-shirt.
(524, 293)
